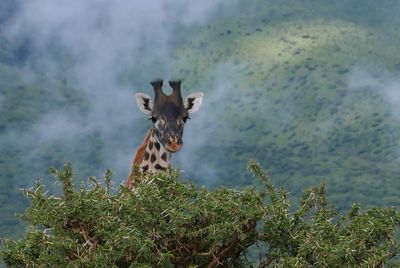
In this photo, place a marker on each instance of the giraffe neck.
(155, 158)
(151, 156)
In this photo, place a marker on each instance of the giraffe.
(168, 114)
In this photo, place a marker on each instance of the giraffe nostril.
(174, 139)
(173, 144)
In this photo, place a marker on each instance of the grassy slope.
(289, 103)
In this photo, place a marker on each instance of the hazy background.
(309, 89)
(106, 51)
(82, 63)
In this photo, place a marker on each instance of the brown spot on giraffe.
(141, 151)
(159, 167)
(153, 158)
(157, 146)
(168, 114)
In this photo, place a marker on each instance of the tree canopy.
(168, 222)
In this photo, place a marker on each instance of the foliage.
(168, 223)
(163, 223)
(316, 235)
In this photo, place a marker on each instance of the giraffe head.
(169, 113)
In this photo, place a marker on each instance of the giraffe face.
(169, 120)
(169, 115)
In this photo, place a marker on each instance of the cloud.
(107, 50)
(97, 35)
(386, 87)
(60, 125)
(391, 93)
(206, 129)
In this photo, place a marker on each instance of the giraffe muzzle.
(173, 145)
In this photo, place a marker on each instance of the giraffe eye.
(153, 119)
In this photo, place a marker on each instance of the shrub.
(169, 223)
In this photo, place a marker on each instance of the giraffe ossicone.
(168, 114)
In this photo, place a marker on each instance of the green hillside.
(307, 88)
(305, 96)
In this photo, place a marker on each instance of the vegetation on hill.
(169, 223)
(309, 89)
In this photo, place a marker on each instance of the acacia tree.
(166, 222)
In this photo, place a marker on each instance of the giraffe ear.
(144, 102)
(193, 102)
